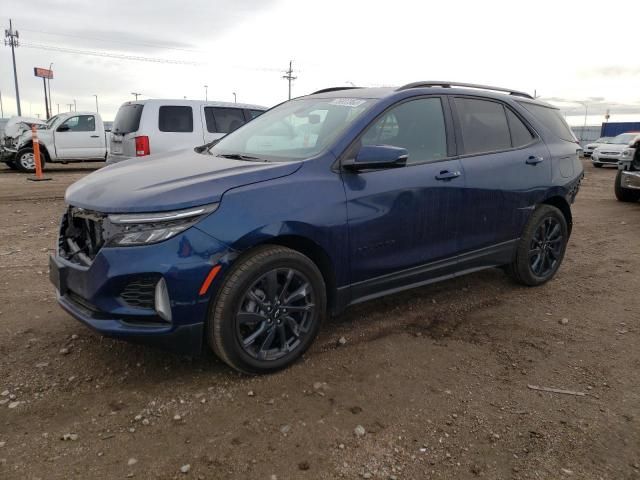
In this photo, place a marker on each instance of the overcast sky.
(561, 49)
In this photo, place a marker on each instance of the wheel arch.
(43, 150)
(561, 204)
(317, 255)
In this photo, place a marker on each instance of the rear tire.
(268, 310)
(625, 194)
(541, 248)
(597, 165)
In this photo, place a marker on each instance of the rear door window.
(128, 118)
(223, 120)
(417, 125)
(484, 125)
(175, 118)
(552, 119)
(254, 113)
(520, 133)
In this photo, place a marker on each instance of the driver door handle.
(447, 175)
(533, 160)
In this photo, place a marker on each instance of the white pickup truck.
(66, 137)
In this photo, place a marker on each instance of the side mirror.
(376, 157)
(63, 128)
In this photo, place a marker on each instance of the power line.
(55, 48)
(144, 44)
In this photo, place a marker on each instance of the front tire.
(25, 160)
(541, 248)
(625, 194)
(268, 310)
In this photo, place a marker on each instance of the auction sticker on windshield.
(347, 102)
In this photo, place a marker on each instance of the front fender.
(310, 203)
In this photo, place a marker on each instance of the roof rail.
(464, 85)
(333, 89)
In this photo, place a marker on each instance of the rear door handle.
(533, 160)
(95, 136)
(447, 175)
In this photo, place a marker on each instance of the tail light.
(142, 146)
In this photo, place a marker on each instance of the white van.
(155, 126)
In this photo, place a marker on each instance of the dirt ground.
(438, 377)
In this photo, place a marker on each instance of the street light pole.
(136, 94)
(584, 127)
(75, 105)
(95, 95)
(206, 93)
(235, 99)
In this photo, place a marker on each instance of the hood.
(612, 147)
(16, 125)
(169, 181)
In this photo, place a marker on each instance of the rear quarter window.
(552, 119)
(175, 118)
(128, 118)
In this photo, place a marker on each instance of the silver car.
(590, 147)
(611, 153)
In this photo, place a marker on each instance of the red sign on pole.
(42, 72)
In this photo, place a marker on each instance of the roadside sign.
(42, 72)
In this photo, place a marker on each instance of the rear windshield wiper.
(238, 156)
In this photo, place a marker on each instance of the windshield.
(295, 130)
(50, 122)
(624, 138)
(603, 140)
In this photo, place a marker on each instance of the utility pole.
(1, 107)
(135, 94)
(12, 41)
(289, 76)
(97, 111)
(206, 93)
(235, 98)
(58, 107)
(70, 105)
(75, 105)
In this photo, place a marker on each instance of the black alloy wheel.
(547, 246)
(267, 310)
(541, 247)
(275, 314)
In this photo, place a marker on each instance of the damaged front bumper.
(7, 154)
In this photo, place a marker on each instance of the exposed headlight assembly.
(131, 229)
(627, 153)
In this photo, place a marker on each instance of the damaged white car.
(66, 137)
(13, 130)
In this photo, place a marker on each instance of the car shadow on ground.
(435, 311)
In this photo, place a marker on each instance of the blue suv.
(322, 202)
